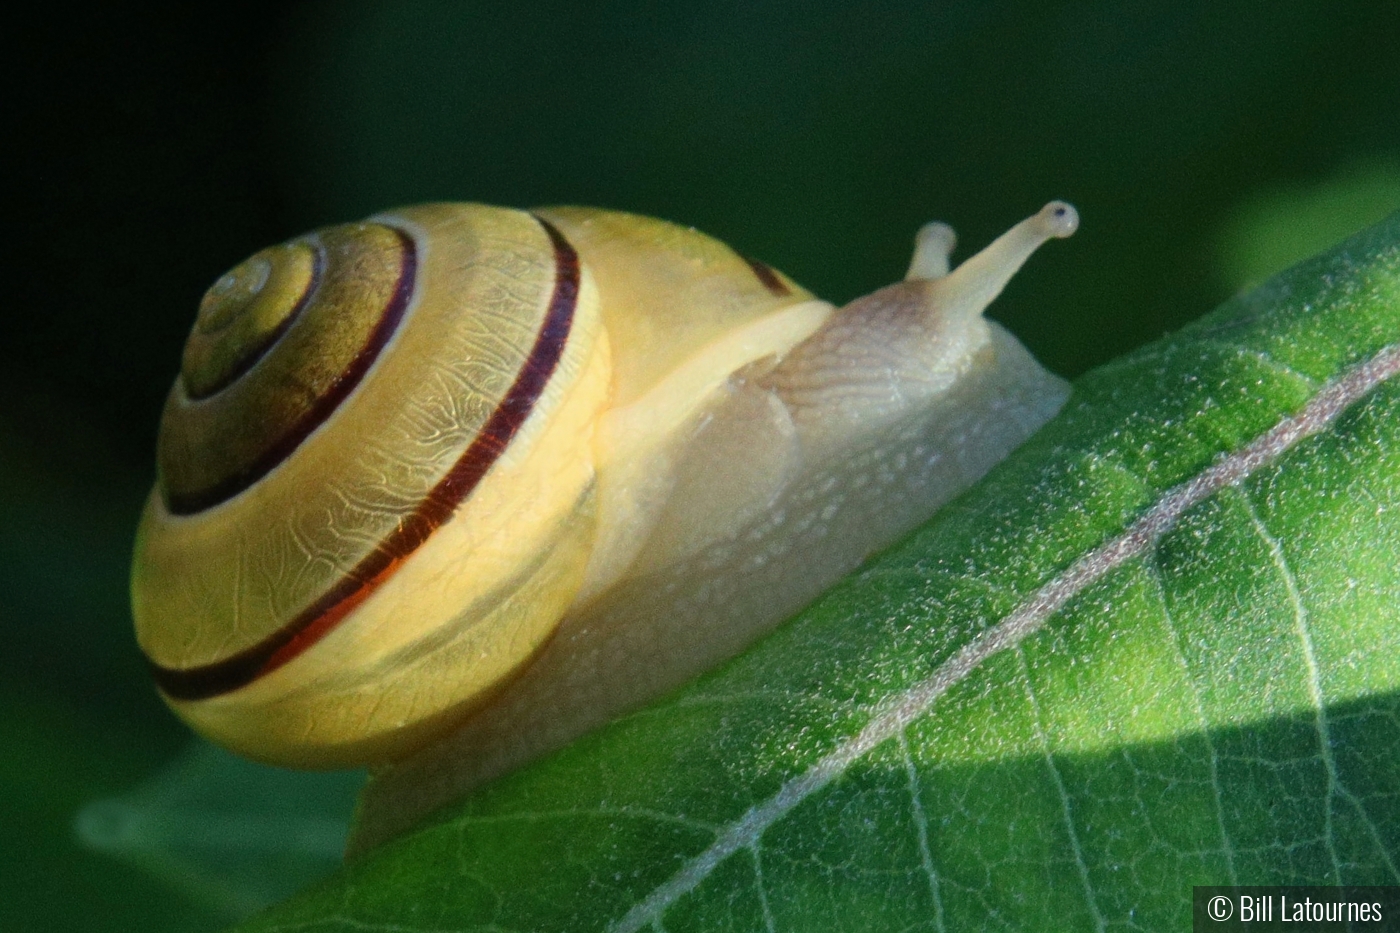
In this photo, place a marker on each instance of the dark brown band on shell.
(768, 276)
(321, 617)
(189, 503)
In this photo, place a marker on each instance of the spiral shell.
(321, 480)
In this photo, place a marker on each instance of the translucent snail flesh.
(480, 479)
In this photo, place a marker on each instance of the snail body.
(476, 480)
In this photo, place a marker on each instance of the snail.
(473, 479)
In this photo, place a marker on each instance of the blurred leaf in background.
(229, 833)
(1271, 230)
(152, 150)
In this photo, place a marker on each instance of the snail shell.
(476, 480)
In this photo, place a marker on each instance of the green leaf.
(1158, 647)
(231, 834)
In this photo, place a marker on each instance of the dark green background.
(150, 150)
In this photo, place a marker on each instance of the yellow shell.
(503, 474)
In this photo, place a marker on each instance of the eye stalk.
(933, 249)
(976, 283)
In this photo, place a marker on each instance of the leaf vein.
(1066, 803)
(1336, 788)
(1194, 690)
(762, 890)
(916, 807)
